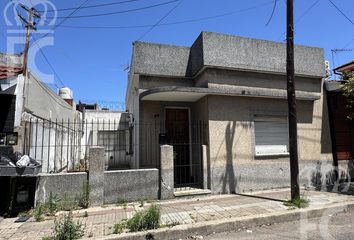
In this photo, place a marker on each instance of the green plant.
(121, 202)
(38, 213)
(118, 228)
(67, 229)
(84, 197)
(47, 238)
(301, 202)
(347, 86)
(141, 201)
(52, 204)
(86, 214)
(145, 220)
(68, 204)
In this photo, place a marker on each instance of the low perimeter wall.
(131, 185)
(120, 185)
(60, 184)
(276, 174)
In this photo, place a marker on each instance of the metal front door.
(178, 135)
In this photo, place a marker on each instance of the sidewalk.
(192, 212)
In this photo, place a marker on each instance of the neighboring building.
(111, 130)
(227, 93)
(342, 128)
(29, 109)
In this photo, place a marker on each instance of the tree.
(348, 91)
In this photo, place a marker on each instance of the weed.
(38, 213)
(301, 202)
(47, 238)
(141, 201)
(149, 236)
(118, 228)
(85, 214)
(145, 220)
(52, 204)
(67, 229)
(121, 202)
(84, 197)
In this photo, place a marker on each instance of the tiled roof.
(346, 67)
(6, 72)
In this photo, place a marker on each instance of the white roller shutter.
(271, 136)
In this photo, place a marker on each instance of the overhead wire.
(341, 12)
(92, 6)
(119, 12)
(160, 20)
(303, 15)
(66, 18)
(273, 11)
(172, 23)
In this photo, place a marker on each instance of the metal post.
(48, 149)
(67, 146)
(290, 73)
(55, 144)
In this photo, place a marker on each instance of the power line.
(172, 23)
(341, 12)
(49, 64)
(273, 11)
(66, 18)
(92, 6)
(120, 12)
(303, 15)
(159, 21)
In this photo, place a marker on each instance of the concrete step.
(191, 192)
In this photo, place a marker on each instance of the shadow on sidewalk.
(260, 197)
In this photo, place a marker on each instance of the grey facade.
(235, 86)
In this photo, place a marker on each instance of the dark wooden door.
(177, 133)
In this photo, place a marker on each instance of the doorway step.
(190, 192)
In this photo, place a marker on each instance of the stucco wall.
(131, 185)
(231, 134)
(62, 185)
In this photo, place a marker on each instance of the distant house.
(342, 128)
(28, 110)
(224, 98)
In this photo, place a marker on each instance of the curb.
(229, 224)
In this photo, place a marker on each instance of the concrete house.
(221, 103)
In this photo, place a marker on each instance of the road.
(340, 226)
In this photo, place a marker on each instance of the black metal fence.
(65, 145)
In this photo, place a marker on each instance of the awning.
(192, 94)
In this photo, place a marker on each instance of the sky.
(92, 61)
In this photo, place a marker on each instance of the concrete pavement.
(192, 216)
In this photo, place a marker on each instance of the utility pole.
(30, 25)
(290, 76)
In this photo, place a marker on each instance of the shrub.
(145, 220)
(67, 229)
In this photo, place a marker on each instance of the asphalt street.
(331, 226)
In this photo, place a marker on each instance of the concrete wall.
(61, 184)
(98, 121)
(131, 185)
(233, 164)
(43, 102)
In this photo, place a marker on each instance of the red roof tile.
(7, 72)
